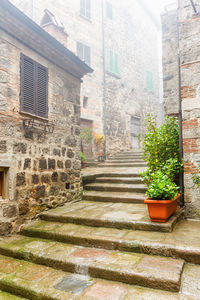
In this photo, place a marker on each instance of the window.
(85, 9)
(83, 53)
(85, 102)
(109, 11)
(113, 66)
(34, 87)
(149, 81)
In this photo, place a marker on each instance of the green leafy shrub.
(161, 187)
(161, 144)
(83, 157)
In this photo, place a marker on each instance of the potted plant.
(99, 141)
(83, 160)
(162, 198)
(161, 152)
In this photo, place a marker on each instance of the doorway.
(135, 131)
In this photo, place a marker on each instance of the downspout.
(181, 176)
(194, 7)
(104, 77)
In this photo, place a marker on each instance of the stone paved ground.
(103, 249)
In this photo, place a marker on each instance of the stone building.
(39, 119)
(119, 40)
(184, 22)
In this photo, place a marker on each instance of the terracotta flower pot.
(161, 210)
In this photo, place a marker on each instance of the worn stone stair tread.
(115, 187)
(109, 214)
(7, 296)
(132, 268)
(41, 282)
(155, 243)
(119, 180)
(121, 161)
(106, 196)
(122, 165)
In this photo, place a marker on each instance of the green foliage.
(83, 157)
(161, 187)
(196, 179)
(86, 135)
(162, 143)
(161, 152)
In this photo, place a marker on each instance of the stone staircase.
(104, 247)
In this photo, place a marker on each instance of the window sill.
(85, 18)
(33, 116)
(113, 75)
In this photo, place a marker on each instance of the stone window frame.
(34, 99)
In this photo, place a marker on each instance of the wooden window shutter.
(82, 7)
(34, 87)
(87, 55)
(116, 64)
(42, 91)
(88, 9)
(27, 85)
(80, 50)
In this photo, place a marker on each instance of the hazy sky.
(158, 5)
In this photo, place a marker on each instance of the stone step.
(124, 161)
(7, 296)
(122, 197)
(154, 243)
(131, 268)
(122, 165)
(127, 156)
(120, 187)
(120, 174)
(119, 180)
(45, 283)
(111, 215)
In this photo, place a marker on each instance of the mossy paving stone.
(6, 296)
(132, 268)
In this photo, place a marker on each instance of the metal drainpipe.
(181, 176)
(104, 76)
(194, 7)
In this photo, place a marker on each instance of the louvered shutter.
(34, 87)
(88, 9)
(42, 91)
(87, 55)
(27, 85)
(82, 7)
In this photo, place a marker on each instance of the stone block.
(43, 164)
(45, 178)
(51, 163)
(70, 153)
(54, 177)
(56, 152)
(27, 163)
(63, 150)
(21, 179)
(68, 164)
(10, 211)
(35, 179)
(60, 164)
(3, 103)
(63, 177)
(3, 146)
(40, 191)
(70, 141)
(28, 134)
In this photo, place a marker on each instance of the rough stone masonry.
(40, 169)
(189, 28)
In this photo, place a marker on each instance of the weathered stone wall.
(133, 35)
(170, 62)
(189, 26)
(43, 169)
